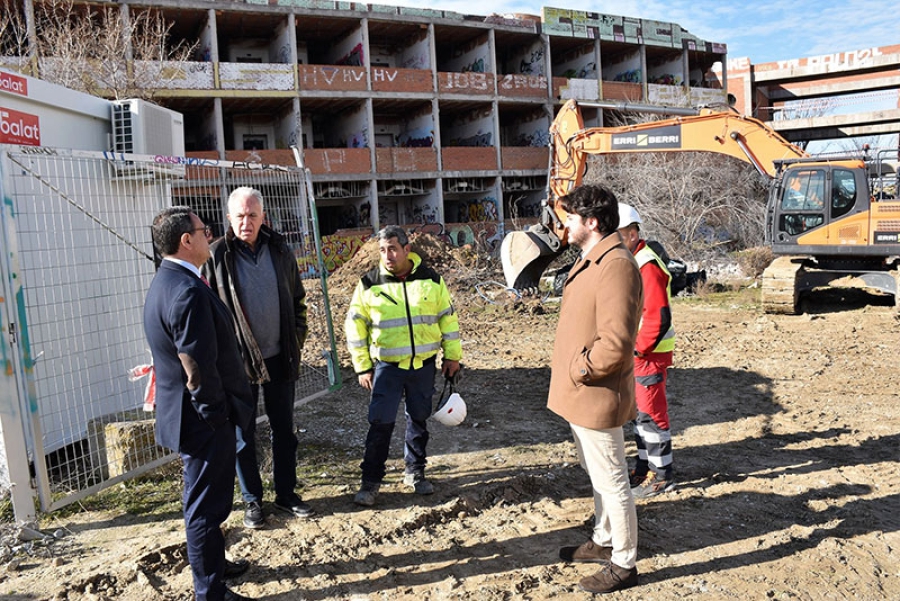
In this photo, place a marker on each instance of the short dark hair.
(168, 227)
(592, 200)
(393, 231)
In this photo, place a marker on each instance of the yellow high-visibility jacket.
(401, 321)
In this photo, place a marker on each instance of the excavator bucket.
(526, 254)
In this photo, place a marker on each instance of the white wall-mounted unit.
(140, 127)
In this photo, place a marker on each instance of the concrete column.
(218, 118)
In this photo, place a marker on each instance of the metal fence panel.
(76, 226)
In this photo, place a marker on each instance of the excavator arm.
(526, 254)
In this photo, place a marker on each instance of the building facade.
(826, 97)
(409, 116)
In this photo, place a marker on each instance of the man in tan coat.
(592, 379)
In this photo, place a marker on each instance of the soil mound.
(461, 267)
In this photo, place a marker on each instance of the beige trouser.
(602, 455)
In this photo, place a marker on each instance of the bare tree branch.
(698, 205)
(92, 48)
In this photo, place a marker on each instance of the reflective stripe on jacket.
(401, 321)
(657, 308)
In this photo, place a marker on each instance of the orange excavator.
(826, 218)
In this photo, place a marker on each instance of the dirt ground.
(785, 443)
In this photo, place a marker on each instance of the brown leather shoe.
(609, 578)
(589, 552)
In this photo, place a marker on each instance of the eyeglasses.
(207, 230)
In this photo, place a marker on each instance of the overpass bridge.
(868, 77)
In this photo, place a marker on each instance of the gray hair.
(245, 191)
(393, 231)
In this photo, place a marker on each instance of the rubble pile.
(461, 267)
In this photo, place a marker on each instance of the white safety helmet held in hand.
(627, 215)
(452, 411)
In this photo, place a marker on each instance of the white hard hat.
(452, 411)
(627, 215)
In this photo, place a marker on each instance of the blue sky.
(765, 31)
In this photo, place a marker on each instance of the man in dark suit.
(202, 391)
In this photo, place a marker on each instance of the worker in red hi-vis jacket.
(653, 473)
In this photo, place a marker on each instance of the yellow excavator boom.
(525, 254)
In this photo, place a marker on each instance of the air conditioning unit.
(142, 128)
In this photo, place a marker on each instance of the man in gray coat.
(255, 273)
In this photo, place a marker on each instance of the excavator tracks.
(779, 286)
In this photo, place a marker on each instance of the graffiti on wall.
(354, 58)
(585, 72)
(468, 81)
(473, 211)
(365, 214)
(336, 250)
(667, 79)
(284, 53)
(387, 213)
(349, 217)
(533, 65)
(475, 66)
(480, 140)
(538, 137)
(522, 82)
(418, 61)
(417, 138)
(630, 76)
(420, 214)
(358, 139)
(483, 236)
(523, 207)
(326, 75)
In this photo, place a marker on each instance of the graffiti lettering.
(423, 142)
(384, 75)
(630, 76)
(535, 138)
(192, 161)
(480, 140)
(332, 74)
(469, 81)
(519, 82)
(857, 57)
(38, 150)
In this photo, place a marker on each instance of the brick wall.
(337, 160)
(401, 80)
(524, 157)
(468, 158)
(467, 83)
(331, 77)
(390, 160)
(618, 90)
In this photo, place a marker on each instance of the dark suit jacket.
(186, 324)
